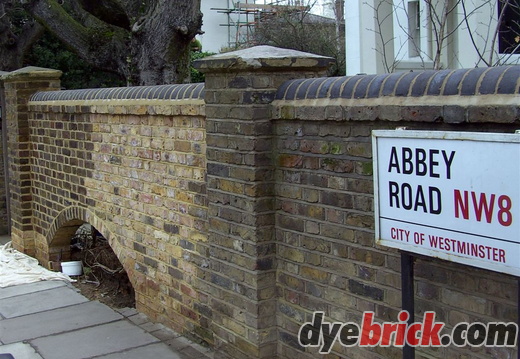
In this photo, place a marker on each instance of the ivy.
(49, 52)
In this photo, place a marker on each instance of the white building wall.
(400, 37)
(324, 8)
(363, 41)
(482, 25)
(458, 51)
(354, 37)
(215, 35)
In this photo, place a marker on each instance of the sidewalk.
(52, 320)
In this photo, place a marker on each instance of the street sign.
(451, 195)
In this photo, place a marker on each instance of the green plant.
(196, 75)
(49, 52)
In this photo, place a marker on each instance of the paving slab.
(127, 311)
(138, 319)
(51, 320)
(94, 341)
(20, 289)
(20, 350)
(40, 301)
(153, 351)
(179, 343)
(56, 321)
(164, 334)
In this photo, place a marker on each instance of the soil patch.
(104, 278)
(109, 293)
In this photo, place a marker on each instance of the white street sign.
(451, 195)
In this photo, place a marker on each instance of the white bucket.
(71, 268)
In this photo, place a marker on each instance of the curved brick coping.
(463, 82)
(161, 92)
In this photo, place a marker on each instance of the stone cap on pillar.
(30, 72)
(261, 58)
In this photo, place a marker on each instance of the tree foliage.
(49, 52)
(18, 32)
(145, 41)
(196, 75)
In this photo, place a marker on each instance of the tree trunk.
(161, 43)
(14, 46)
(147, 42)
(11, 59)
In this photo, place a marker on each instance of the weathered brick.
(365, 290)
(291, 223)
(316, 274)
(471, 303)
(292, 254)
(304, 180)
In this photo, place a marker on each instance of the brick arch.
(67, 219)
(66, 224)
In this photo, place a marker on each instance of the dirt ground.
(110, 293)
(104, 278)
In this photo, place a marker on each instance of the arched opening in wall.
(103, 277)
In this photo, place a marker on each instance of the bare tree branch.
(379, 32)
(443, 25)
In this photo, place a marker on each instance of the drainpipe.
(6, 165)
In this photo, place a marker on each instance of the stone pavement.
(52, 320)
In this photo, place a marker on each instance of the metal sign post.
(407, 296)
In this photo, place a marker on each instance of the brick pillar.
(241, 278)
(19, 86)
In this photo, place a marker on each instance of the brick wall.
(18, 86)
(239, 210)
(327, 256)
(131, 162)
(242, 274)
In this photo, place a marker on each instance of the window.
(509, 27)
(414, 29)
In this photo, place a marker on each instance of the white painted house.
(402, 35)
(214, 24)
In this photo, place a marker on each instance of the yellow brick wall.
(136, 172)
(239, 216)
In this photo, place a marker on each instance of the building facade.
(403, 35)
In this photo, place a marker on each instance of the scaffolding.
(243, 16)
